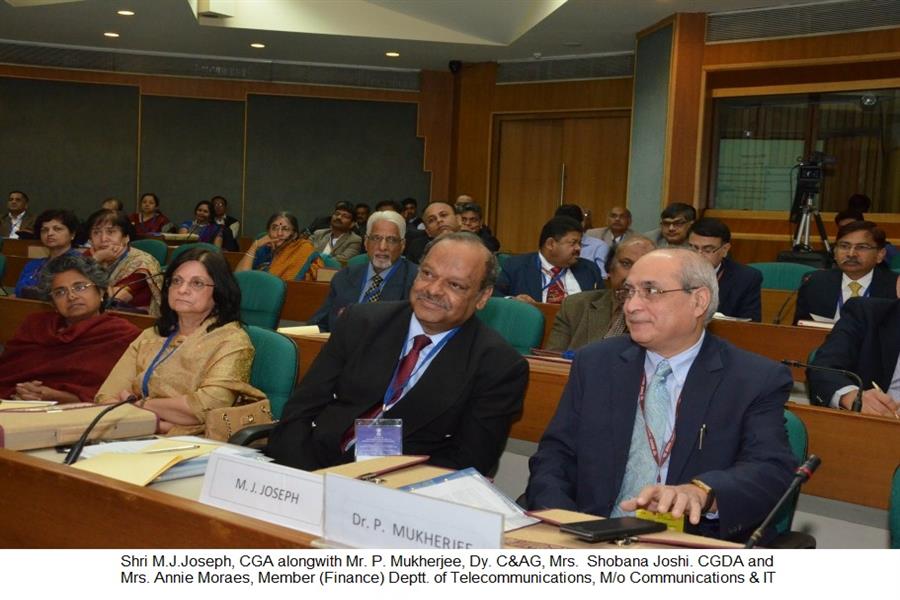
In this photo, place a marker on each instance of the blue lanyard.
(145, 384)
(840, 302)
(384, 280)
(393, 387)
(553, 279)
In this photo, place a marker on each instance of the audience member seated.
(282, 252)
(203, 225)
(338, 240)
(618, 227)
(592, 249)
(866, 341)
(133, 274)
(362, 213)
(197, 357)
(149, 220)
(17, 219)
(440, 219)
(553, 273)
(740, 287)
(674, 225)
(387, 275)
(57, 229)
(611, 446)
(113, 204)
(410, 212)
(64, 356)
(597, 314)
(858, 250)
(849, 215)
(470, 220)
(457, 388)
(222, 218)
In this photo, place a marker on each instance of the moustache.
(425, 296)
(850, 261)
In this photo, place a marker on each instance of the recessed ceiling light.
(111, 34)
(257, 45)
(392, 54)
(125, 13)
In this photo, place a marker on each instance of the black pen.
(702, 433)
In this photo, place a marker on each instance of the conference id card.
(378, 437)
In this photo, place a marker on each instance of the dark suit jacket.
(416, 240)
(347, 286)
(522, 275)
(738, 396)
(740, 291)
(866, 341)
(582, 318)
(459, 412)
(820, 291)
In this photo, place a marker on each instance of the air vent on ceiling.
(802, 19)
(557, 69)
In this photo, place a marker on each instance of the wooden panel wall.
(436, 128)
(475, 87)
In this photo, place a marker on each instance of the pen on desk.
(702, 433)
(172, 449)
(878, 387)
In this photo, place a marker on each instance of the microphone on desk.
(787, 301)
(107, 304)
(75, 451)
(801, 476)
(857, 402)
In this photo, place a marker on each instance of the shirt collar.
(680, 363)
(415, 328)
(864, 281)
(545, 264)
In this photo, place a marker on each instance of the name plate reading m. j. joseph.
(265, 491)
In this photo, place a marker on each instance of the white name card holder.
(265, 491)
(365, 515)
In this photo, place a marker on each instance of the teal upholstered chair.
(262, 296)
(155, 248)
(894, 511)
(185, 247)
(799, 442)
(501, 258)
(359, 259)
(895, 263)
(2, 266)
(330, 261)
(520, 324)
(782, 275)
(274, 366)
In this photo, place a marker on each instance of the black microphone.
(857, 402)
(75, 451)
(801, 476)
(109, 301)
(780, 314)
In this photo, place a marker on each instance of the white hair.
(387, 215)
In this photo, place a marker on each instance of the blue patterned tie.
(656, 405)
(373, 294)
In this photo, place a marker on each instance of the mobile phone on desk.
(611, 529)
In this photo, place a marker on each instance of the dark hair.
(391, 204)
(66, 217)
(407, 201)
(222, 198)
(115, 218)
(848, 214)
(284, 215)
(859, 202)
(710, 227)
(152, 195)
(468, 207)
(73, 262)
(877, 233)
(491, 265)
(679, 209)
(226, 293)
(557, 227)
(119, 205)
(573, 211)
(364, 205)
(24, 195)
(212, 211)
(344, 205)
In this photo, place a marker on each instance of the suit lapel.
(535, 280)
(699, 388)
(624, 406)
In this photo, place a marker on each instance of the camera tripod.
(808, 212)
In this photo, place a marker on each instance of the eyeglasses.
(676, 224)
(847, 247)
(195, 284)
(707, 250)
(77, 289)
(650, 293)
(390, 240)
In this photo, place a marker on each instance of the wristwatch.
(710, 495)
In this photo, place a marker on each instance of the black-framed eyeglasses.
(77, 289)
(707, 250)
(646, 293)
(390, 240)
(195, 284)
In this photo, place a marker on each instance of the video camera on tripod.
(810, 174)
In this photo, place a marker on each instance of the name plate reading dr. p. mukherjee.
(265, 491)
(365, 515)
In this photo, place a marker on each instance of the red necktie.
(407, 364)
(555, 292)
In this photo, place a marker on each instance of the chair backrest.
(894, 263)
(331, 262)
(894, 511)
(501, 258)
(2, 266)
(359, 259)
(799, 442)
(274, 368)
(520, 324)
(155, 248)
(781, 275)
(185, 247)
(262, 296)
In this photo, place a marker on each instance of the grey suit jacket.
(347, 247)
(583, 318)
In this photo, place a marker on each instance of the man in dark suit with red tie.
(454, 382)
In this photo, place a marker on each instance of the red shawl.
(74, 359)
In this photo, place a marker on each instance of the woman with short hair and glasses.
(282, 252)
(197, 357)
(64, 355)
